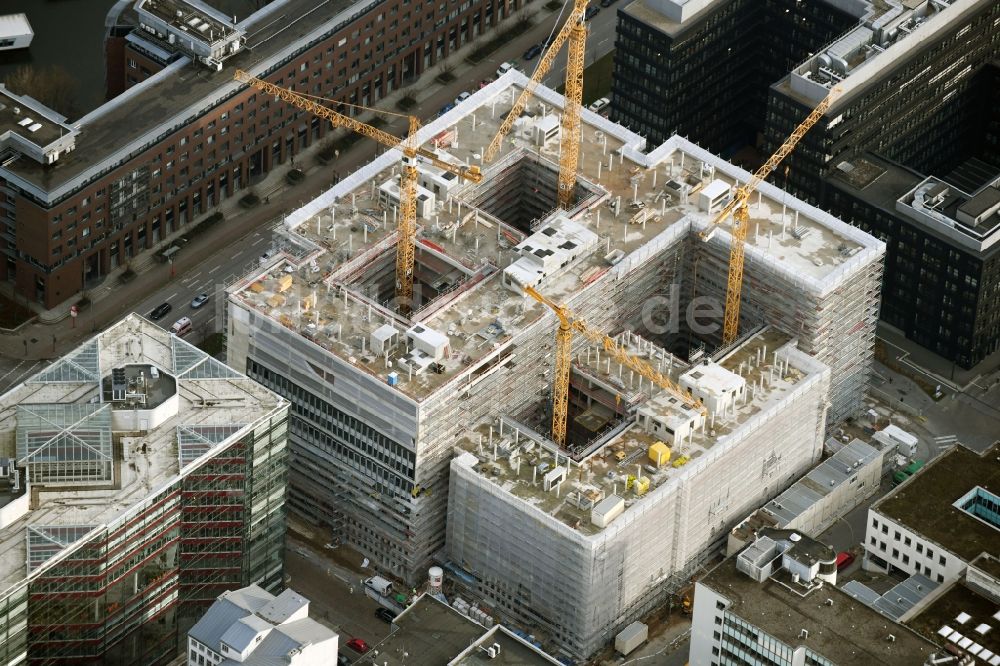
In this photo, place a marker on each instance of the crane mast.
(407, 220)
(570, 323)
(573, 31)
(737, 207)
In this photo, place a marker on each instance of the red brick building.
(78, 200)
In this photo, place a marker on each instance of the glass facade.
(743, 644)
(126, 592)
(708, 80)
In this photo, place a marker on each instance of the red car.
(844, 560)
(358, 645)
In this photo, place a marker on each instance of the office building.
(938, 520)
(777, 603)
(381, 399)
(701, 68)
(140, 478)
(253, 627)
(552, 539)
(916, 114)
(82, 198)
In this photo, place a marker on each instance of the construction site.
(387, 386)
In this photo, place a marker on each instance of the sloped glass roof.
(45, 541)
(63, 433)
(84, 365)
(192, 363)
(194, 441)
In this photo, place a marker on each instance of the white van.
(181, 327)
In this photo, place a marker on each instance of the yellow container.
(284, 282)
(659, 453)
(681, 461)
(641, 485)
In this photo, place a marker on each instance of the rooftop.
(673, 17)
(845, 632)
(431, 633)
(336, 286)
(620, 468)
(134, 120)
(939, 208)
(821, 480)
(965, 618)
(889, 32)
(205, 405)
(927, 502)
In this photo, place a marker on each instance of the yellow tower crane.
(407, 219)
(568, 323)
(575, 32)
(737, 206)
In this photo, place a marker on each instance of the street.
(335, 596)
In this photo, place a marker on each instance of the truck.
(631, 637)
(903, 474)
(380, 585)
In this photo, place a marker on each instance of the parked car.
(532, 51)
(385, 614)
(599, 105)
(447, 107)
(484, 83)
(343, 660)
(844, 560)
(462, 96)
(591, 12)
(199, 301)
(160, 311)
(607, 3)
(358, 645)
(504, 68)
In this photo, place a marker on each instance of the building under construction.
(380, 399)
(139, 479)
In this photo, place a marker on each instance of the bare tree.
(51, 85)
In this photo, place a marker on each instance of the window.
(941, 560)
(920, 547)
(132, 63)
(940, 578)
(885, 529)
(895, 553)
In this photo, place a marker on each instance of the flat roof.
(925, 503)
(29, 119)
(847, 632)
(349, 238)
(213, 401)
(15, 25)
(430, 632)
(817, 484)
(175, 96)
(965, 613)
(597, 477)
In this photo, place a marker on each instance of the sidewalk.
(52, 333)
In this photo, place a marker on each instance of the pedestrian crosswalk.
(944, 441)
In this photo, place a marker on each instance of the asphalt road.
(335, 596)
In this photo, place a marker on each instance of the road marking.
(195, 276)
(217, 267)
(172, 295)
(258, 241)
(944, 439)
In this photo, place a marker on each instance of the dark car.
(385, 615)
(160, 311)
(532, 51)
(446, 108)
(591, 12)
(607, 3)
(342, 660)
